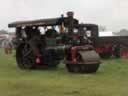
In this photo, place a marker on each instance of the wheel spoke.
(28, 53)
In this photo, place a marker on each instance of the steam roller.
(44, 43)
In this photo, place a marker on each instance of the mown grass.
(110, 80)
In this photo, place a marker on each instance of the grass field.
(110, 80)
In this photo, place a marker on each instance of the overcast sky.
(110, 13)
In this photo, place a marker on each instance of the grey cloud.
(111, 13)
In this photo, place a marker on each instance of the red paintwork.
(38, 61)
(104, 48)
(77, 48)
(124, 53)
(107, 48)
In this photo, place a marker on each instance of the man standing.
(7, 46)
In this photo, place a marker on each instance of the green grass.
(110, 80)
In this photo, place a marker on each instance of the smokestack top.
(70, 14)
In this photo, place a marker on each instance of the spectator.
(7, 45)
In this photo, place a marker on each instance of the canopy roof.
(40, 22)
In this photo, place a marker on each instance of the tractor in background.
(45, 43)
(110, 46)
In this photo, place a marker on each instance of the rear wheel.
(25, 57)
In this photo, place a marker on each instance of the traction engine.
(45, 43)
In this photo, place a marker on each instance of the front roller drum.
(87, 62)
(82, 68)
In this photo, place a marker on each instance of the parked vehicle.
(111, 46)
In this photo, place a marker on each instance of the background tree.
(122, 32)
